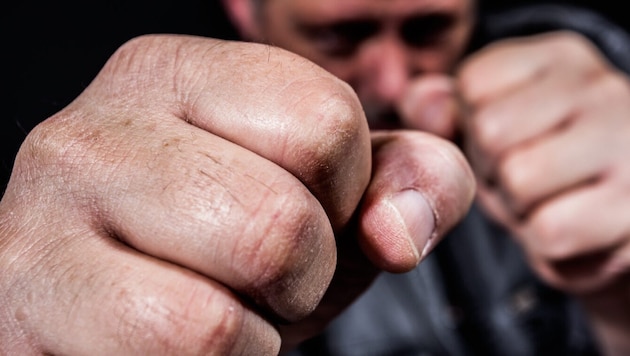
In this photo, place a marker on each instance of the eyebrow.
(431, 17)
(352, 26)
(432, 22)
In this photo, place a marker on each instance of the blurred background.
(53, 49)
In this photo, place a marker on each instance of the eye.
(340, 39)
(426, 30)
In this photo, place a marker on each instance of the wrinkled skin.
(192, 199)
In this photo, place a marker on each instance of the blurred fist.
(548, 136)
(202, 196)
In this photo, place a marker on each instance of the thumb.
(430, 104)
(421, 187)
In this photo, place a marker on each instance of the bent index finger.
(275, 104)
(421, 187)
(507, 65)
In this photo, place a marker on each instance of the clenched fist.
(202, 196)
(548, 134)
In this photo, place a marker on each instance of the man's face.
(377, 46)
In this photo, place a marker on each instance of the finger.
(421, 186)
(584, 275)
(504, 66)
(202, 202)
(430, 104)
(575, 223)
(574, 243)
(578, 151)
(555, 163)
(518, 118)
(514, 107)
(115, 301)
(521, 117)
(579, 241)
(303, 119)
(282, 107)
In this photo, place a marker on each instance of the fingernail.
(418, 218)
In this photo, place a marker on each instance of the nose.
(386, 69)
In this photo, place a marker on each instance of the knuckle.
(487, 134)
(335, 146)
(569, 41)
(551, 237)
(134, 65)
(292, 256)
(517, 175)
(335, 110)
(614, 88)
(284, 220)
(69, 153)
(126, 57)
(570, 44)
(46, 152)
(211, 322)
(38, 144)
(222, 335)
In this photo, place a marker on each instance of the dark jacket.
(473, 295)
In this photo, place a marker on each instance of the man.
(156, 154)
(535, 115)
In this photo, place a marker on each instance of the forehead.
(330, 10)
